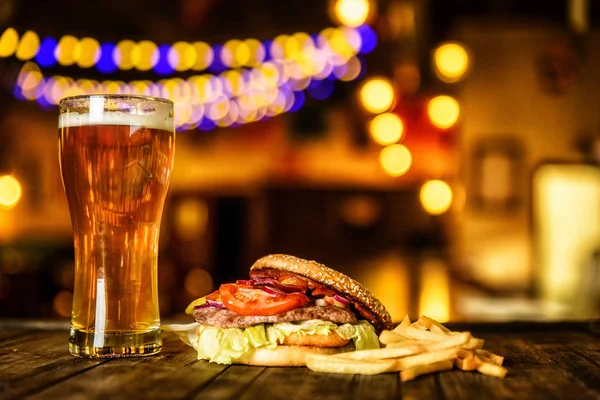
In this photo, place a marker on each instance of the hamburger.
(289, 307)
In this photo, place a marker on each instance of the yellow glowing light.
(89, 52)
(436, 197)
(9, 41)
(127, 54)
(395, 159)
(29, 46)
(233, 82)
(228, 53)
(377, 95)
(349, 71)
(218, 109)
(242, 54)
(434, 300)
(257, 52)
(386, 128)
(62, 303)
(278, 47)
(352, 13)
(182, 56)
(198, 283)
(451, 62)
(10, 191)
(204, 56)
(148, 55)
(67, 51)
(443, 111)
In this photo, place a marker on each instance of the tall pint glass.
(116, 155)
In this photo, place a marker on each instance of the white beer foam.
(159, 120)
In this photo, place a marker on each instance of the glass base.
(114, 345)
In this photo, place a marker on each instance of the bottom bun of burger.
(287, 356)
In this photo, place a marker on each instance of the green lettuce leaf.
(223, 345)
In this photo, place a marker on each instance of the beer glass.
(116, 155)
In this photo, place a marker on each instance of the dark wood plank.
(299, 384)
(36, 362)
(377, 387)
(8, 334)
(173, 374)
(231, 384)
(424, 387)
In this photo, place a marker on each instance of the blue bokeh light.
(299, 99)
(105, 63)
(217, 65)
(320, 90)
(45, 55)
(369, 39)
(162, 67)
(206, 124)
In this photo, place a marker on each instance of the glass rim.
(116, 96)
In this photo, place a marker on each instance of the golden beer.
(116, 156)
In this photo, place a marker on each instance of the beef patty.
(224, 318)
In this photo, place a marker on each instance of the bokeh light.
(349, 71)
(386, 128)
(162, 67)
(63, 303)
(67, 51)
(10, 191)
(377, 95)
(257, 52)
(127, 54)
(45, 55)
(149, 55)
(436, 197)
(395, 159)
(28, 47)
(198, 283)
(106, 64)
(451, 62)
(182, 56)
(352, 12)
(9, 41)
(443, 111)
(89, 52)
(204, 56)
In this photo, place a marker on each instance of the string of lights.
(181, 56)
(233, 97)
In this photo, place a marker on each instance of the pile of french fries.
(414, 349)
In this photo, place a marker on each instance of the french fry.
(418, 326)
(466, 360)
(491, 369)
(432, 325)
(489, 357)
(473, 344)
(381, 354)
(426, 358)
(337, 365)
(388, 337)
(415, 333)
(449, 341)
(411, 373)
(405, 323)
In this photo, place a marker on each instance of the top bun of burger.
(367, 305)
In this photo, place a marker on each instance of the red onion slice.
(342, 300)
(210, 304)
(272, 290)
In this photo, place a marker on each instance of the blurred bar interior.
(443, 152)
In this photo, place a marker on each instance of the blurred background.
(445, 153)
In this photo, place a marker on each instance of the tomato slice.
(248, 300)
(214, 296)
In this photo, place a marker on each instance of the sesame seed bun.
(367, 305)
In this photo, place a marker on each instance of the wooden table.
(545, 361)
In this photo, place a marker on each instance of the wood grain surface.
(545, 361)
